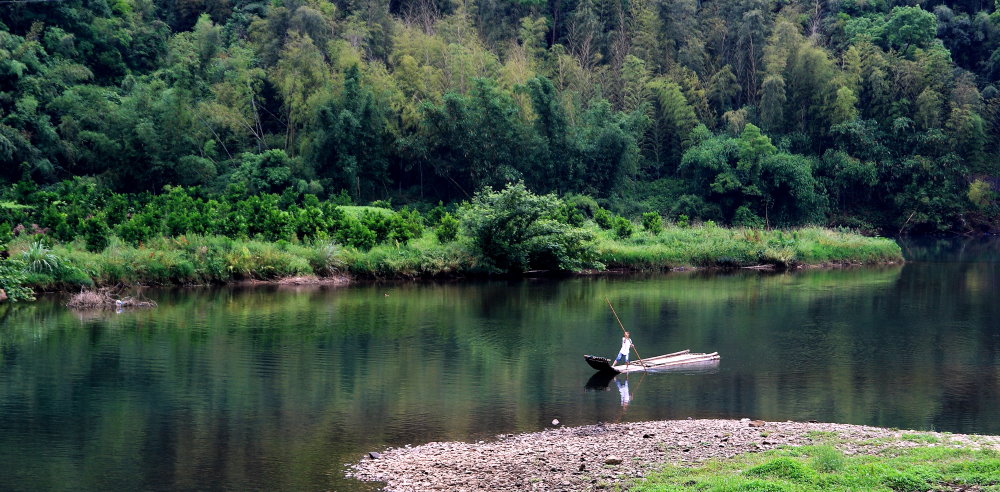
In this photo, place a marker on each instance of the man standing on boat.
(623, 352)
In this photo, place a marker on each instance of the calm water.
(279, 388)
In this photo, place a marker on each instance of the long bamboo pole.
(623, 332)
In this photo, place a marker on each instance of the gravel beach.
(606, 455)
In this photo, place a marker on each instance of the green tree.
(672, 122)
(351, 142)
(513, 231)
(909, 26)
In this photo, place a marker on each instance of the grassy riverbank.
(708, 455)
(193, 260)
(914, 462)
(711, 246)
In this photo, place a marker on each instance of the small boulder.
(756, 423)
(555, 422)
(612, 460)
(374, 455)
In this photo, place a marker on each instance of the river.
(282, 387)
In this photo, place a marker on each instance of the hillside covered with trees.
(870, 114)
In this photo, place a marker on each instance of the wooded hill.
(864, 113)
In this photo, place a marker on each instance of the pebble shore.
(604, 456)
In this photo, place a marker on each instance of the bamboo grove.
(872, 114)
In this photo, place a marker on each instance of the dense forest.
(862, 113)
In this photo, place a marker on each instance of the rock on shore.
(604, 455)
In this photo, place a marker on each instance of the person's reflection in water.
(623, 389)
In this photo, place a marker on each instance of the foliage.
(603, 219)
(861, 112)
(96, 232)
(623, 227)
(38, 258)
(447, 228)
(513, 230)
(652, 222)
(13, 280)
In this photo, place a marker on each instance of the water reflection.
(278, 388)
(600, 381)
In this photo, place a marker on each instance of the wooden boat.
(684, 358)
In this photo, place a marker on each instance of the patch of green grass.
(710, 246)
(821, 435)
(827, 459)
(823, 468)
(188, 260)
(928, 438)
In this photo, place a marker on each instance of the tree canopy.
(878, 115)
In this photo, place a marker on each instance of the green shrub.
(12, 281)
(569, 214)
(685, 221)
(447, 229)
(140, 227)
(652, 223)
(511, 231)
(39, 259)
(434, 215)
(310, 222)
(6, 234)
(746, 218)
(603, 219)
(352, 232)
(96, 232)
(624, 228)
(407, 224)
(72, 276)
(325, 259)
(585, 204)
(380, 224)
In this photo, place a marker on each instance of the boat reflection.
(601, 380)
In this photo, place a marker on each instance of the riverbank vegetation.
(708, 455)
(103, 239)
(826, 468)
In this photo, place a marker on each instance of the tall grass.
(190, 260)
(423, 257)
(197, 260)
(710, 246)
